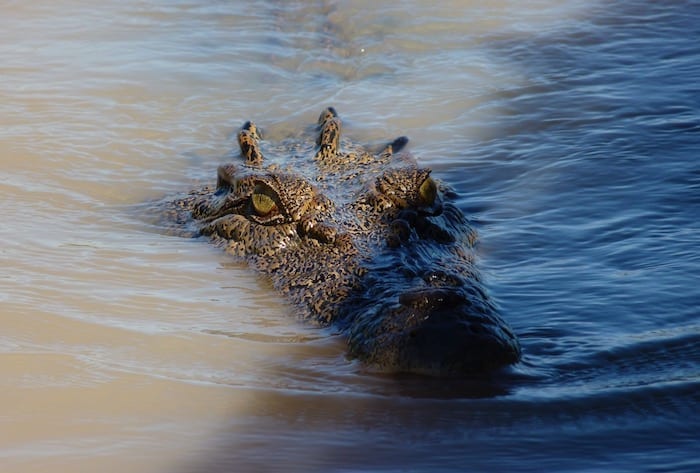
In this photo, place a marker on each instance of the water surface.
(570, 130)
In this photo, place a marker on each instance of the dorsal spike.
(327, 114)
(329, 138)
(395, 146)
(249, 141)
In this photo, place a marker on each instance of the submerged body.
(368, 243)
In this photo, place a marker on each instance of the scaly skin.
(368, 243)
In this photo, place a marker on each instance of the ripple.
(568, 131)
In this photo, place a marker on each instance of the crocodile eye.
(263, 200)
(428, 192)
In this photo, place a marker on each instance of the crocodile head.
(368, 243)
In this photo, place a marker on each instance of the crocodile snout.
(447, 330)
(452, 333)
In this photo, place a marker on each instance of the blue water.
(588, 193)
(590, 205)
(584, 181)
(570, 131)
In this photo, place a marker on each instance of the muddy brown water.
(569, 129)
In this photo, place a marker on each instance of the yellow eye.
(428, 192)
(263, 200)
(263, 204)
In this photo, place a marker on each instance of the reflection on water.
(569, 130)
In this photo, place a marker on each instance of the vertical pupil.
(263, 200)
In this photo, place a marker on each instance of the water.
(571, 131)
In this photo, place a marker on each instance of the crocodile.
(365, 241)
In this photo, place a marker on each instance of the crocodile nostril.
(439, 278)
(409, 216)
(399, 232)
(433, 298)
